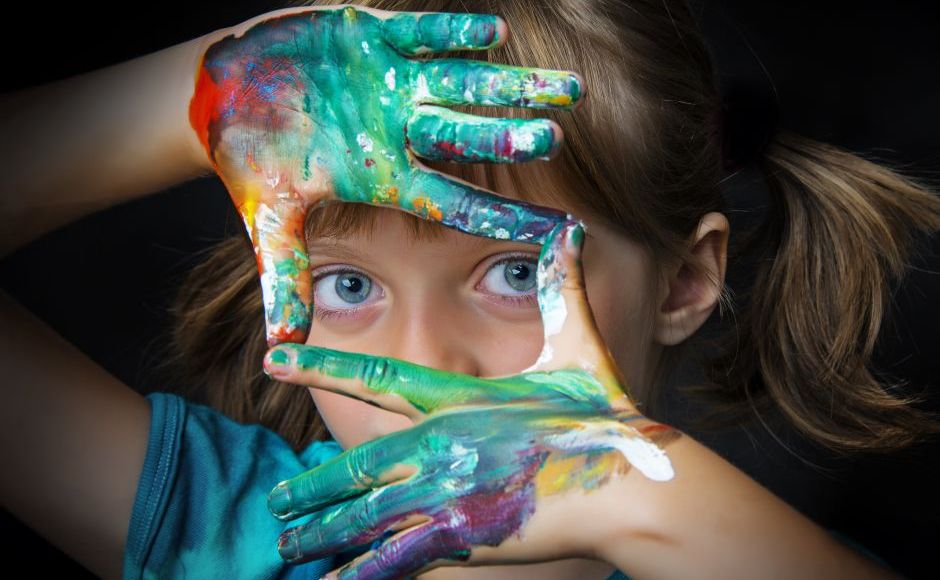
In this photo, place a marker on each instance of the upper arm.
(74, 442)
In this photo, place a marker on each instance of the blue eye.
(511, 276)
(352, 287)
(342, 290)
(520, 275)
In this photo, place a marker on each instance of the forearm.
(712, 520)
(82, 144)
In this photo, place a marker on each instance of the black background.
(861, 74)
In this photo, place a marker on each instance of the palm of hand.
(315, 98)
(485, 452)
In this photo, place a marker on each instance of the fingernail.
(288, 546)
(277, 363)
(279, 500)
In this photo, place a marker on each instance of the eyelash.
(326, 313)
(529, 298)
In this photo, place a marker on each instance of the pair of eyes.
(344, 290)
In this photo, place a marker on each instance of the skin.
(298, 108)
(566, 422)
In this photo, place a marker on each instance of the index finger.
(393, 384)
(398, 385)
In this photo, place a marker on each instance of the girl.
(651, 171)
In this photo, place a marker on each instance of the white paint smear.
(364, 142)
(639, 451)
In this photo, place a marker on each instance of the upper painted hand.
(298, 107)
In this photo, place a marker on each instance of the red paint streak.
(504, 145)
(203, 107)
(369, 162)
(282, 335)
(210, 99)
(451, 150)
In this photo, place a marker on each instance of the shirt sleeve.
(201, 505)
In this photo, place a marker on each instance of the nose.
(427, 330)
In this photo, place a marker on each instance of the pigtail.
(841, 235)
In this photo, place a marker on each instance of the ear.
(691, 297)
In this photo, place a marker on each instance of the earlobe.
(690, 296)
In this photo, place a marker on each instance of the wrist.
(635, 509)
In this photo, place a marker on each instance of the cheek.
(501, 348)
(352, 422)
(618, 299)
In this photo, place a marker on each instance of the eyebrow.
(334, 247)
(335, 250)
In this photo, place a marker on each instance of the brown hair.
(642, 151)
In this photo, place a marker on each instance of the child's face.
(459, 303)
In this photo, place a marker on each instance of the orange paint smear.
(658, 428)
(428, 207)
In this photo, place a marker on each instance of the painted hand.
(485, 454)
(299, 107)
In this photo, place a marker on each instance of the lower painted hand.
(486, 454)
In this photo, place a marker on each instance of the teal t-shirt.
(201, 504)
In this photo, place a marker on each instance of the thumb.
(572, 339)
(277, 235)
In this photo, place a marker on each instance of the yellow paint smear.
(561, 474)
(555, 100)
(557, 474)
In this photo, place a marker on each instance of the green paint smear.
(415, 34)
(292, 100)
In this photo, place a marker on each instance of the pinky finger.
(406, 553)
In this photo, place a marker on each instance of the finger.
(419, 33)
(393, 384)
(572, 339)
(277, 236)
(472, 82)
(444, 134)
(406, 553)
(460, 205)
(353, 523)
(373, 464)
